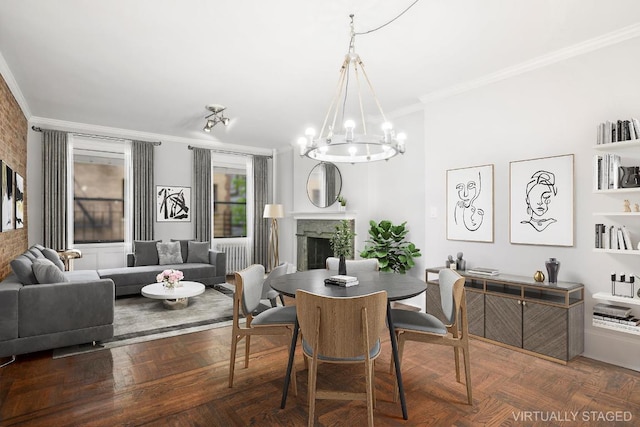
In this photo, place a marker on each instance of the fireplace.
(313, 241)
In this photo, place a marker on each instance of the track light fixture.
(216, 116)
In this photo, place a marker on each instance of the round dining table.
(397, 286)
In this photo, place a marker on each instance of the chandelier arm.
(375, 97)
(341, 87)
(336, 95)
(364, 123)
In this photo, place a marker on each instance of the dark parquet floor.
(182, 381)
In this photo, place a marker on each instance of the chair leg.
(293, 371)
(13, 359)
(232, 359)
(396, 390)
(467, 373)
(247, 346)
(313, 371)
(368, 368)
(281, 299)
(456, 355)
(273, 302)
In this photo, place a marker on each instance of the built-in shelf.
(617, 251)
(616, 214)
(616, 327)
(631, 145)
(609, 297)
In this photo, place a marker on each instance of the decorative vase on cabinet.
(553, 265)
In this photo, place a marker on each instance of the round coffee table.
(173, 298)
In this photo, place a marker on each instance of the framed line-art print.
(7, 195)
(470, 204)
(173, 204)
(19, 209)
(541, 201)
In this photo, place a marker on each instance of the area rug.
(139, 319)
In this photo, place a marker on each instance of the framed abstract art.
(470, 204)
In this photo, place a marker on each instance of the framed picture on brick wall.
(8, 196)
(19, 198)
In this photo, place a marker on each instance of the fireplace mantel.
(324, 215)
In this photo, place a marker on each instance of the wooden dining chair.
(354, 265)
(270, 293)
(424, 327)
(341, 330)
(272, 321)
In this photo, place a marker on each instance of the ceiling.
(151, 66)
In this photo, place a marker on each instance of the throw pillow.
(184, 248)
(53, 256)
(145, 252)
(36, 252)
(47, 272)
(169, 253)
(198, 252)
(21, 265)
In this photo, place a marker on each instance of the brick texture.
(13, 150)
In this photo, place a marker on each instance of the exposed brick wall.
(13, 150)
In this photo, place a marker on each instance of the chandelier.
(349, 143)
(216, 116)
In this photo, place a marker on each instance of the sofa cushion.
(147, 274)
(81, 275)
(21, 265)
(169, 253)
(53, 256)
(184, 248)
(47, 272)
(145, 252)
(198, 252)
(36, 252)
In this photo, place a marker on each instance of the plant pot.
(342, 266)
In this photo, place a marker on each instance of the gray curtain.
(202, 187)
(260, 224)
(143, 189)
(54, 166)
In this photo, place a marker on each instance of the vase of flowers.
(170, 278)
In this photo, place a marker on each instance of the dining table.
(398, 287)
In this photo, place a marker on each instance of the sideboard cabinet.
(543, 319)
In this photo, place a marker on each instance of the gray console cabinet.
(542, 319)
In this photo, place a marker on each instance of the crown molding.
(67, 126)
(13, 87)
(587, 46)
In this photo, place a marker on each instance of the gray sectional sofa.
(53, 308)
(44, 307)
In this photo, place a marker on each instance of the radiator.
(237, 258)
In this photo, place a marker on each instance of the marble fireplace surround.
(308, 229)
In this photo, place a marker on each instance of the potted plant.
(387, 243)
(343, 203)
(342, 244)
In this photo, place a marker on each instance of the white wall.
(546, 112)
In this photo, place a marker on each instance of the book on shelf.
(619, 130)
(611, 310)
(635, 329)
(484, 271)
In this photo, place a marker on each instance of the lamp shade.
(273, 211)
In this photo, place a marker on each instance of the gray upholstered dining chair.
(345, 331)
(268, 292)
(424, 327)
(272, 321)
(354, 265)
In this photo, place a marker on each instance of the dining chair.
(424, 327)
(272, 321)
(341, 330)
(267, 291)
(354, 265)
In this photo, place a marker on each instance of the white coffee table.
(173, 298)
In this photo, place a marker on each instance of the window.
(98, 193)
(229, 202)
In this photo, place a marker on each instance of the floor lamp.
(274, 212)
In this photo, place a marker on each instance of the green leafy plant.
(342, 201)
(387, 243)
(342, 240)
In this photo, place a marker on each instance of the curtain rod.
(236, 153)
(88, 135)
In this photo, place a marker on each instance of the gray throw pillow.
(53, 256)
(47, 272)
(184, 248)
(169, 253)
(21, 265)
(145, 252)
(198, 252)
(36, 252)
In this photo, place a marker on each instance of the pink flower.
(170, 277)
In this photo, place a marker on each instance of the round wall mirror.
(324, 184)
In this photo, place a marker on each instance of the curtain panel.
(260, 225)
(54, 166)
(143, 190)
(202, 189)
